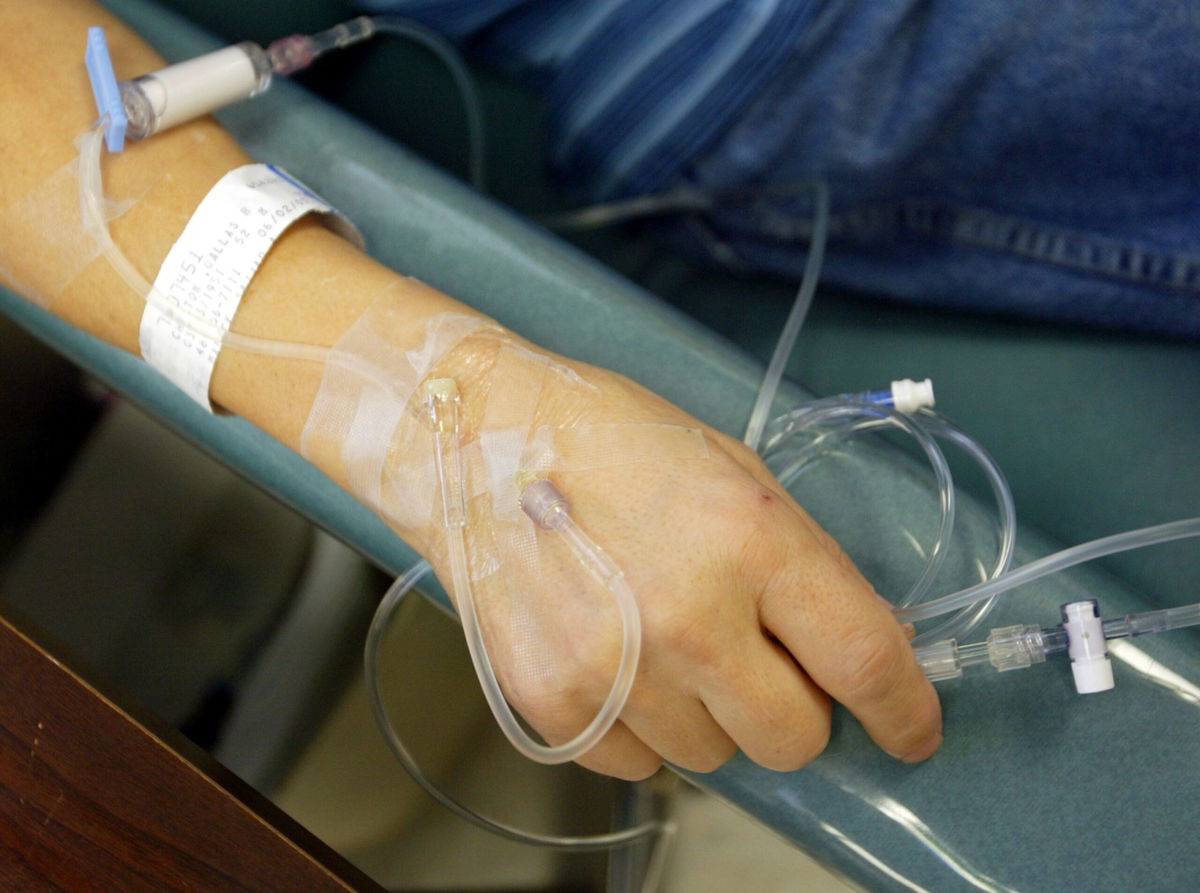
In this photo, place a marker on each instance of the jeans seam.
(978, 228)
(1050, 244)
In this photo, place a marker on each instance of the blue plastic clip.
(105, 89)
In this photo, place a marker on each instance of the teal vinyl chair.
(1035, 788)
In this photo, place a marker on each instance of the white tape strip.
(210, 266)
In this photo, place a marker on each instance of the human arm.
(709, 581)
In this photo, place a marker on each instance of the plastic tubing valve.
(1087, 647)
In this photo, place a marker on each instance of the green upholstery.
(1036, 788)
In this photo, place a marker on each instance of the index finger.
(849, 642)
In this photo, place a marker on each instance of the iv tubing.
(1109, 545)
(442, 403)
(1006, 523)
(448, 55)
(839, 418)
(1145, 622)
(846, 419)
(796, 317)
(379, 624)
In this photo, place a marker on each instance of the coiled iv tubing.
(825, 422)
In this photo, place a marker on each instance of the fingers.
(658, 723)
(621, 754)
(678, 727)
(774, 712)
(849, 643)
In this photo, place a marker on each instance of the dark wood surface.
(92, 799)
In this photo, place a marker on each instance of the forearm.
(311, 286)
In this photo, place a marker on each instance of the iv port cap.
(908, 396)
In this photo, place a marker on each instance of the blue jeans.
(1035, 157)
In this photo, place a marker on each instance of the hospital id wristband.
(207, 271)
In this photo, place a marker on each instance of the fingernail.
(924, 752)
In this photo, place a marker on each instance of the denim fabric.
(1036, 157)
(634, 89)
(1039, 157)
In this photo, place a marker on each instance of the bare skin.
(754, 618)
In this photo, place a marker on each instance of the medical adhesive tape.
(209, 268)
(46, 222)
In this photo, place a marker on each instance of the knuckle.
(708, 759)
(547, 707)
(735, 448)
(759, 550)
(684, 629)
(841, 559)
(692, 642)
(558, 704)
(638, 769)
(627, 766)
(797, 747)
(787, 734)
(875, 664)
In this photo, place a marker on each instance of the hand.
(752, 616)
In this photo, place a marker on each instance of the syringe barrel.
(178, 93)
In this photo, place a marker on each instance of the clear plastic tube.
(1051, 564)
(552, 515)
(678, 200)
(791, 329)
(1018, 647)
(1006, 525)
(291, 54)
(838, 419)
(1152, 622)
(379, 626)
(449, 56)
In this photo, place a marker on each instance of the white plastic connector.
(1087, 647)
(909, 396)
